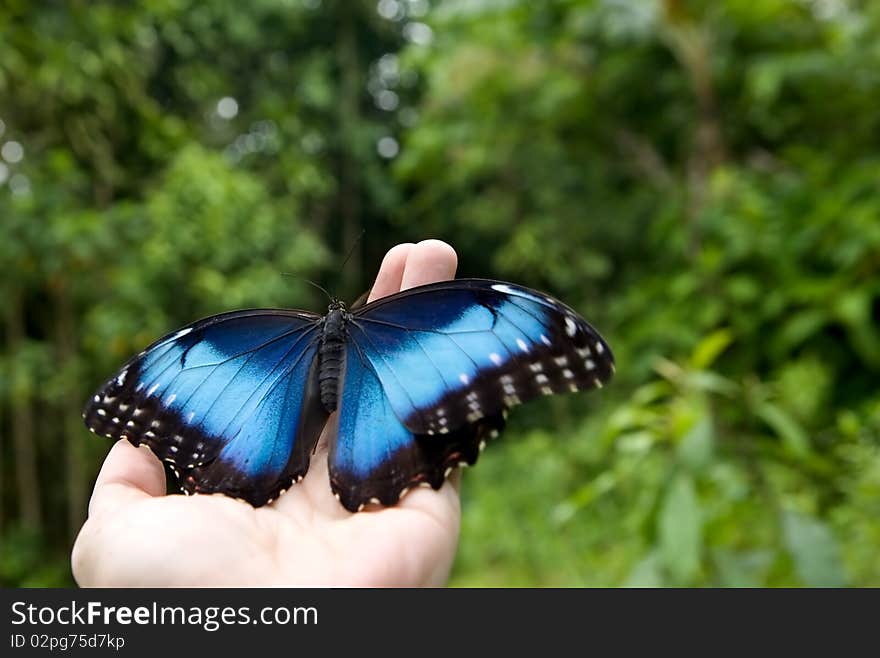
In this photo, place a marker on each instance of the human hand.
(137, 536)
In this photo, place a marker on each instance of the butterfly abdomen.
(331, 353)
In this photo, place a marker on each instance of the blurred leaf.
(801, 326)
(695, 449)
(794, 439)
(710, 348)
(679, 527)
(711, 382)
(646, 573)
(742, 568)
(803, 387)
(814, 550)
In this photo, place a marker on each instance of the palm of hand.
(138, 536)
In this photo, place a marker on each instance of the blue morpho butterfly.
(419, 381)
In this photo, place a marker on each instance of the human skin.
(137, 536)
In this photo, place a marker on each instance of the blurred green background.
(700, 179)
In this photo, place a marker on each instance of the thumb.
(128, 475)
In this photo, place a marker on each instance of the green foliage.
(26, 562)
(699, 179)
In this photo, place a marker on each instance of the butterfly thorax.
(331, 353)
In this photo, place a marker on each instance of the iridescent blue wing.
(231, 402)
(374, 457)
(452, 352)
(430, 372)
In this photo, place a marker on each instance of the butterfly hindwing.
(451, 353)
(230, 402)
(374, 457)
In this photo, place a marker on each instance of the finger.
(423, 497)
(128, 475)
(428, 262)
(391, 272)
(443, 505)
(431, 261)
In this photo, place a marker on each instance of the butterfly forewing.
(452, 353)
(221, 401)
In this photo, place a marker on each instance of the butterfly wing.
(452, 353)
(231, 402)
(374, 457)
(448, 359)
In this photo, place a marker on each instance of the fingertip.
(443, 504)
(429, 261)
(399, 251)
(390, 273)
(135, 464)
(128, 472)
(438, 252)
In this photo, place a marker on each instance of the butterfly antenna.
(321, 288)
(311, 283)
(357, 241)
